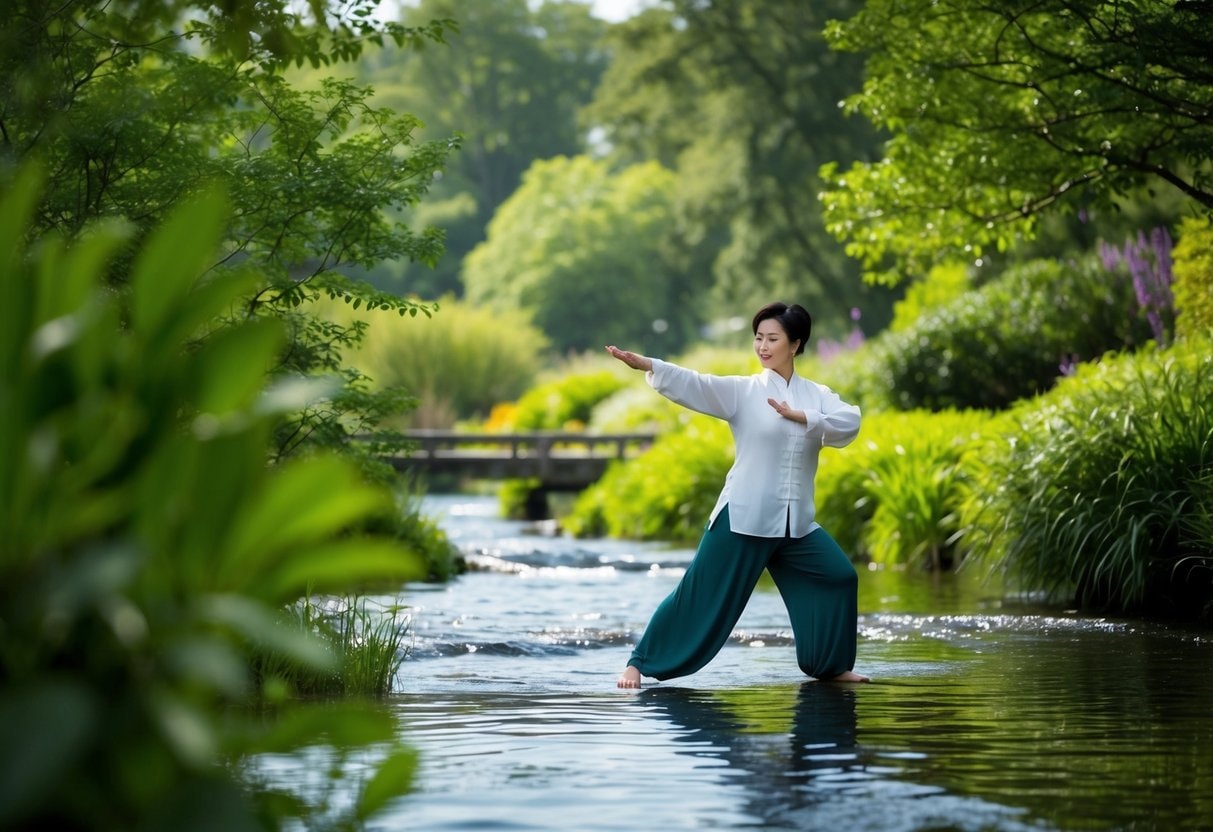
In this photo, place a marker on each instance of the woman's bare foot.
(630, 678)
(848, 676)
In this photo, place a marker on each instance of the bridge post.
(535, 506)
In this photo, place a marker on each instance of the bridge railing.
(435, 443)
(559, 460)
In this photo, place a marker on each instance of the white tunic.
(769, 489)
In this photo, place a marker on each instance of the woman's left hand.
(785, 410)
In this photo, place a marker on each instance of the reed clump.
(1101, 492)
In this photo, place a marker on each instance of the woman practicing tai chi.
(764, 517)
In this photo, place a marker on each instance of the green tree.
(132, 105)
(741, 99)
(581, 249)
(1000, 112)
(510, 82)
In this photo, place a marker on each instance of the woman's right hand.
(633, 360)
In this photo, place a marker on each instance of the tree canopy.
(1000, 112)
(582, 248)
(132, 105)
(741, 100)
(510, 83)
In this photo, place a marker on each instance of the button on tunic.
(769, 490)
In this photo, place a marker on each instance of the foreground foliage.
(146, 548)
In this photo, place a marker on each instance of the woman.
(764, 517)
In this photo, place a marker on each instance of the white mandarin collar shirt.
(769, 489)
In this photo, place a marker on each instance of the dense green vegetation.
(587, 250)
(147, 550)
(457, 363)
(1085, 476)
(510, 82)
(1100, 491)
(1194, 278)
(197, 388)
(1032, 323)
(131, 106)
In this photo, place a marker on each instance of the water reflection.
(796, 754)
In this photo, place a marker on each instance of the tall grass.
(1101, 493)
(894, 496)
(367, 642)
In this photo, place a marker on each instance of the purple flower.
(1148, 261)
(1108, 255)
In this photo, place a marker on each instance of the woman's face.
(772, 346)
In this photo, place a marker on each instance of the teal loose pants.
(818, 584)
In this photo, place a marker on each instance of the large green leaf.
(305, 501)
(332, 566)
(392, 779)
(174, 256)
(231, 367)
(45, 730)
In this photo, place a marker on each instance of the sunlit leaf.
(393, 778)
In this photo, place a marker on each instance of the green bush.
(457, 363)
(1193, 270)
(1009, 339)
(894, 496)
(666, 493)
(146, 547)
(637, 408)
(1102, 491)
(944, 284)
(567, 402)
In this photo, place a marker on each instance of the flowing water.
(983, 714)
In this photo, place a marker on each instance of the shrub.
(457, 363)
(1009, 339)
(1193, 268)
(666, 493)
(565, 403)
(894, 496)
(944, 284)
(1101, 492)
(856, 375)
(146, 548)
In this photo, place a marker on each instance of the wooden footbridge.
(559, 461)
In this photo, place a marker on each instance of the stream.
(984, 713)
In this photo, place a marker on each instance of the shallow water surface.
(983, 714)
